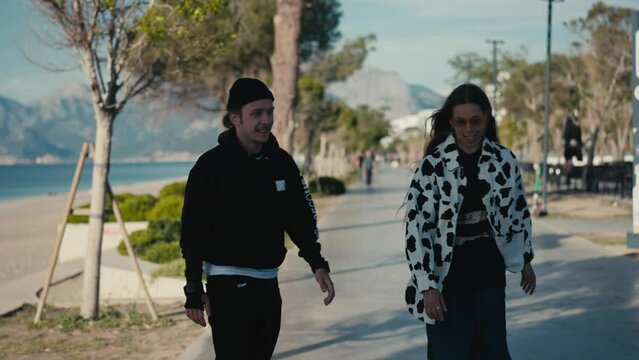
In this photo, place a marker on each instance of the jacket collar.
(449, 152)
(228, 139)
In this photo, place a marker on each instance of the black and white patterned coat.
(433, 203)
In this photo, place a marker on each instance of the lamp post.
(544, 175)
(495, 43)
(633, 237)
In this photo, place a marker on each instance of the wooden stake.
(65, 220)
(129, 248)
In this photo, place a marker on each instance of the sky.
(415, 38)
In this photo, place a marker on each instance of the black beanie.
(246, 90)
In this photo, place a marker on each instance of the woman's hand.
(528, 279)
(434, 304)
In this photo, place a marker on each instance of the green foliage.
(64, 320)
(140, 240)
(471, 67)
(169, 207)
(169, 230)
(329, 186)
(319, 31)
(136, 207)
(175, 188)
(329, 67)
(362, 128)
(204, 44)
(511, 131)
(173, 268)
(133, 208)
(71, 321)
(158, 243)
(196, 10)
(161, 252)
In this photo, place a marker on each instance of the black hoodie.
(237, 207)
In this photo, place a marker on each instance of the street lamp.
(495, 43)
(544, 170)
(633, 237)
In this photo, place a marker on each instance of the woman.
(467, 222)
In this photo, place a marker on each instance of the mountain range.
(386, 90)
(53, 129)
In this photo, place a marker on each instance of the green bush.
(136, 207)
(176, 188)
(161, 252)
(329, 186)
(140, 240)
(158, 243)
(169, 207)
(167, 229)
(132, 207)
(173, 268)
(79, 219)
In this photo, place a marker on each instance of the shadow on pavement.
(378, 190)
(346, 271)
(584, 309)
(356, 226)
(398, 325)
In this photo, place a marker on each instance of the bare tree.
(102, 35)
(607, 58)
(284, 64)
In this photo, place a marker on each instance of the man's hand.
(197, 315)
(528, 279)
(326, 284)
(434, 304)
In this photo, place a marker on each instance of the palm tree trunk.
(284, 64)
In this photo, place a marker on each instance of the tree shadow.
(357, 226)
(586, 309)
(362, 329)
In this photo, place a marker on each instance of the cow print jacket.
(433, 203)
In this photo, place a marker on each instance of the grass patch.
(70, 320)
(173, 268)
(64, 331)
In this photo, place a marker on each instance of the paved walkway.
(586, 305)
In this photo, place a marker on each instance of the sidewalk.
(586, 305)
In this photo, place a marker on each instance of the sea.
(27, 180)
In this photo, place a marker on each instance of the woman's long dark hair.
(440, 119)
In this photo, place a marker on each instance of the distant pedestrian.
(240, 198)
(368, 167)
(467, 222)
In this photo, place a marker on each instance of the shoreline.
(29, 226)
(132, 187)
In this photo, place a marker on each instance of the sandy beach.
(28, 228)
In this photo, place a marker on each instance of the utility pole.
(544, 175)
(633, 237)
(495, 44)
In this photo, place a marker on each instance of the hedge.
(329, 186)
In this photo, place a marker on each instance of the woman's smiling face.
(469, 123)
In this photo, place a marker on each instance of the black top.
(237, 207)
(477, 261)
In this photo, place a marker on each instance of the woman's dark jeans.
(473, 328)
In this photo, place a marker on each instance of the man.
(368, 167)
(240, 198)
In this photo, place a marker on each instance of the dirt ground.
(595, 207)
(64, 336)
(67, 339)
(588, 206)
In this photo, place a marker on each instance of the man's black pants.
(245, 316)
